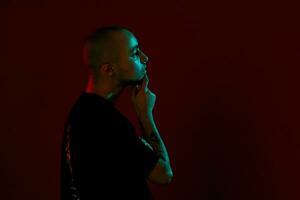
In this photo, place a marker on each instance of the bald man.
(102, 156)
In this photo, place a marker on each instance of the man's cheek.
(139, 68)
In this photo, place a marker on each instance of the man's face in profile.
(132, 61)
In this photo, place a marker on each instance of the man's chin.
(133, 82)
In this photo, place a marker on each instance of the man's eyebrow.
(135, 47)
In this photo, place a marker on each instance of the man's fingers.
(145, 83)
(136, 89)
(143, 86)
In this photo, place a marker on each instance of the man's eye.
(136, 53)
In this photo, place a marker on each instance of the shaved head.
(101, 47)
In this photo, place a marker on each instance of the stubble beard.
(133, 82)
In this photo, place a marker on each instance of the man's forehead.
(133, 43)
(127, 40)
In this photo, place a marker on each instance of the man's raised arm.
(144, 100)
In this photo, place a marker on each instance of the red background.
(225, 74)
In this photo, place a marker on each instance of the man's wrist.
(148, 124)
(146, 117)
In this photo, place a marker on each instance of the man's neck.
(104, 90)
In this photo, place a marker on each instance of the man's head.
(112, 53)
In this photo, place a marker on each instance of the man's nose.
(144, 58)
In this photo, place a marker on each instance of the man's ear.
(108, 69)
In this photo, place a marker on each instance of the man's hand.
(143, 99)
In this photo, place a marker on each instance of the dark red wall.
(226, 76)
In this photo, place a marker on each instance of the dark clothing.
(102, 157)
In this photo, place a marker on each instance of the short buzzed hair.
(98, 49)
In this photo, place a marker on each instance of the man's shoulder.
(91, 103)
(86, 110)
(91, 110)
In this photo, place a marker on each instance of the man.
(102, 157)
